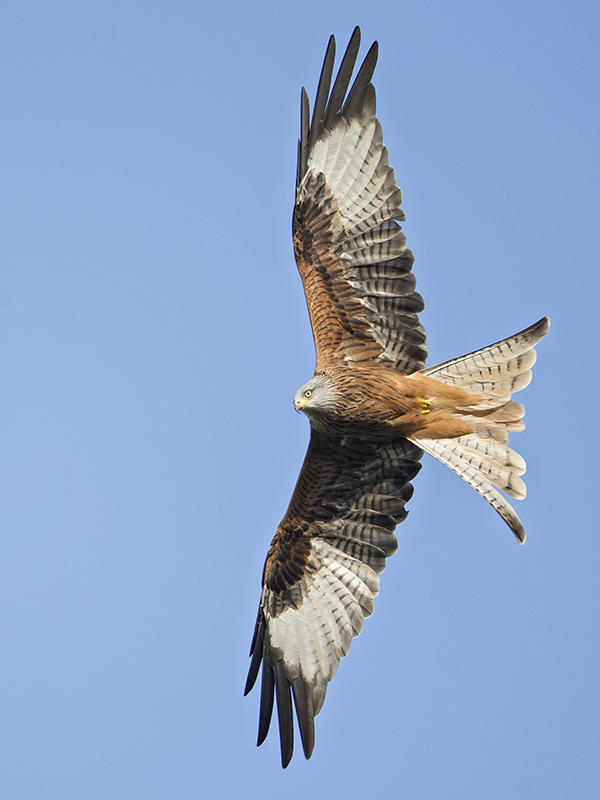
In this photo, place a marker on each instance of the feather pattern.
(345, 228)
(374, 407)
(350, 495)
(482, 458)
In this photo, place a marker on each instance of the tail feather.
(497, 370)
(502, 353)
(509, 412)
(438, 448)
(493, 451)
(482, 458)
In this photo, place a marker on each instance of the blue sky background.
(153, 332)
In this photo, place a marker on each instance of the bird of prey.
(373, 405)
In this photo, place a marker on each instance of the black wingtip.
(256, 653)
(266, 703)
(303, 142)
(322, 91)
(303, 701)
(328, 106)
(342, 81)
(252, 673)
(357, 93)
(283, 695)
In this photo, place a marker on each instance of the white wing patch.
(310, 640)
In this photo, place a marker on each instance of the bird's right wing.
(322, 572)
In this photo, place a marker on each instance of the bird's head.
(316, 397)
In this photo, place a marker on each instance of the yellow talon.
(426, 405)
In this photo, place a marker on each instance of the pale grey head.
(317, 397)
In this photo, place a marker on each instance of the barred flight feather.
(363, 218)
(389, 229)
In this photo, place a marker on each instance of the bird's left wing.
(321, 572)
(350, 250)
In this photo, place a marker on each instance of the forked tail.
(482, 458)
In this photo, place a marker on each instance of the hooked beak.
(299, 404)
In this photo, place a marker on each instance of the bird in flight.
(373, 405)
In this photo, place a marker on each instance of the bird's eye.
(307, 393)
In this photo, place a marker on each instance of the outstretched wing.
(321, 573)
(350, 250)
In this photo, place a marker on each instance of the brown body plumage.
(380, 402)
(373, 405)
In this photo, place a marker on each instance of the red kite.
(373, 406)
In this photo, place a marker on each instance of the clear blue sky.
(152, 334)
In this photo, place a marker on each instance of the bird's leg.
(425, 405)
